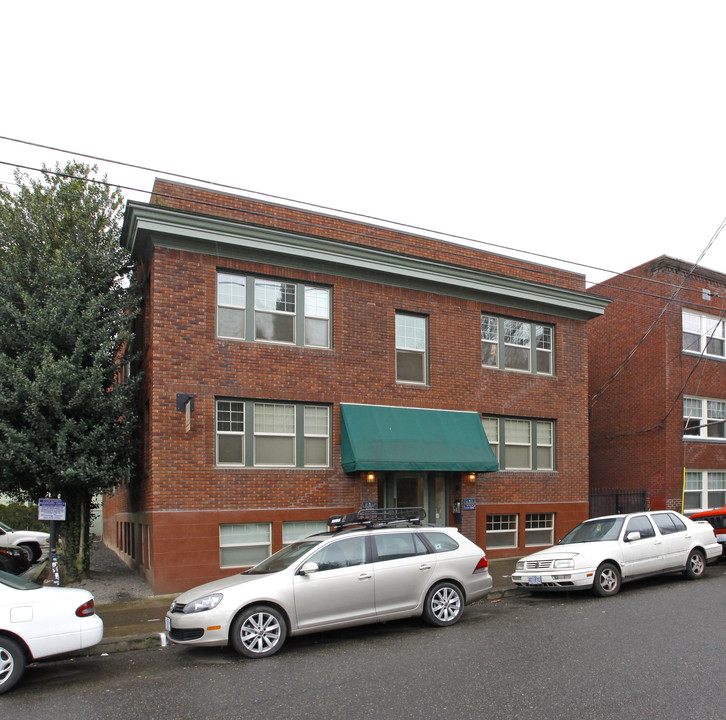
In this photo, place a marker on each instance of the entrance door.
(426, 490)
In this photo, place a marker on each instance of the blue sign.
(51, 509)
(469, 503)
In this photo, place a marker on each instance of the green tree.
(67, 422)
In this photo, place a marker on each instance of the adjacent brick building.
(299, 364)
(658, 386)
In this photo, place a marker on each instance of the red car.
(717, 519)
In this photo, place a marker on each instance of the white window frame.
(539, 344)
(294, 530)
(537, 526)
(412, 340)
(538, 440)
(710, 331)
(236, 406)
(281, 433)
(703, 423)
(260, 549)
(704, 490)
(307, 306)
(500, 527)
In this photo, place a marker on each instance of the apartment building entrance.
(428, 490)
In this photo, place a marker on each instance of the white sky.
(591, 132)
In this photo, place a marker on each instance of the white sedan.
(604, 552)
(37, 622)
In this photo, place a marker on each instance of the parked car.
(13, 560)
(38, 622)
(604, 552)
(374, 566)
(717, 520)
(33, 543)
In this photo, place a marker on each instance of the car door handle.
(424, 566)
(365, 576)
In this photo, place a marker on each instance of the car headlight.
(520, 565)
(204, 603)
(564, 564)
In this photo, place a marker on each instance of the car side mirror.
(635, 535)
(308, 568)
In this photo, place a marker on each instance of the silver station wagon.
(374, 566)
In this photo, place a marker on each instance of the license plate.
(534, 579)
(167, 624)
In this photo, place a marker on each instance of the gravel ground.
(111, 580)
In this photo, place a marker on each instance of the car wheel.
(444, 604)
(607, 580)
(12, 664)
(258, 632)
(695, 565)
(30, 551)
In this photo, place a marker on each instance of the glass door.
(426, 490)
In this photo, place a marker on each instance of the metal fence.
(611, 502)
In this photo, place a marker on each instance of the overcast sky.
(592, 133)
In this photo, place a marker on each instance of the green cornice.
(150, 226)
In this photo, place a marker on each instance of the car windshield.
(16, 582)
(283, 558)
(5, 527)
(594, 531)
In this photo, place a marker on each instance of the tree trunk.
(75, 554)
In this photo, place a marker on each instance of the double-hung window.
(704, 418)
(281, 434)
(704, 489)
(521, 444)
(243, 544)
(501, 531)
(539, 529)
(704, 334)
(411, 348)
(280, 311)
(519, 345)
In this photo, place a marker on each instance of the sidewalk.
(139, 624)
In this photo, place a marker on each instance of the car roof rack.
(378, 517)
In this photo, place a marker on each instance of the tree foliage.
(66, 424)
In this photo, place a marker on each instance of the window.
(230, 432)
(317, 433)
(299, 530)
(243, 545)
(279, 316)
(506, 344)
(274, 311)
(411, 348)
(274, 434)
(704, 418)
(521, 444)
(491, 430)
(317, 317)
(501, 531)
(283, 435)
(539, 529)
(642, 525)
(231, 300)
(668, 523)
(395, 546)
(343, 553)
(703, 334)
(704, 489)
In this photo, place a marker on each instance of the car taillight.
(88, 608)
(482, 565)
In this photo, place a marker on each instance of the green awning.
(378, 437)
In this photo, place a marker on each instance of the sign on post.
(51, 509)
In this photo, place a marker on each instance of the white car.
(375, 567)
(34, 543)
(604, 552)
(38, 622)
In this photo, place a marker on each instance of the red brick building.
(300, 364)
(658, 386)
